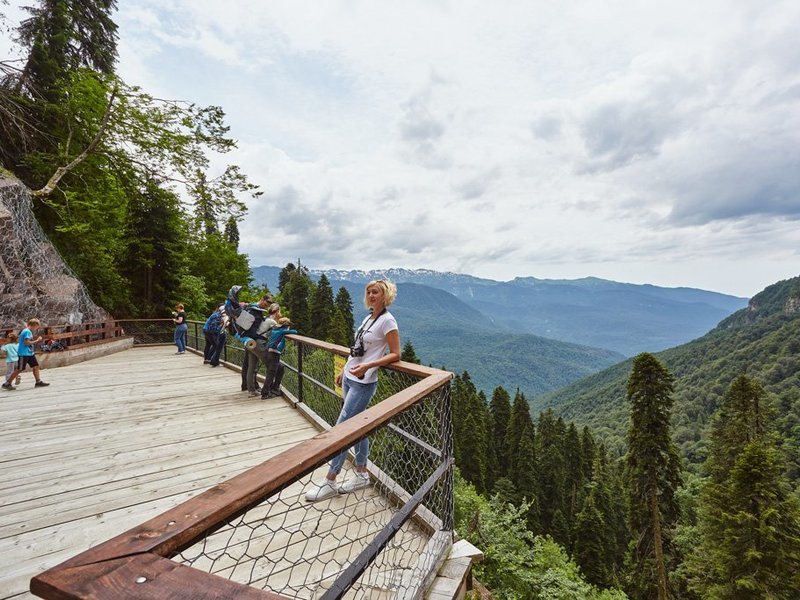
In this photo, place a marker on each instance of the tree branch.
(61, 171)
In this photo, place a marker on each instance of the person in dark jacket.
(214, 331)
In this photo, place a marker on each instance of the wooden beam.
(145, 576)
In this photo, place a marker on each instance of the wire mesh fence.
(34, 279)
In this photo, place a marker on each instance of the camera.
(357, 350)
(174, 314)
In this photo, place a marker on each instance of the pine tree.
(653, 475)
(154, 262)
(500, 408)
(344, 304)
(62, 36)
(321, 309)
(232, 232)
(284, 275)
(575, 477)
(295, 299)
(408, 354)
(588, 452)
(551, 468)
(591, 543)
(749, 524)
(339, 334)
(470, 416)
(600, 535)
(520, 443)
(526, 481)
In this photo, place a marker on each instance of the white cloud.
(640, 141)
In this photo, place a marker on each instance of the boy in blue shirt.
(27, 355)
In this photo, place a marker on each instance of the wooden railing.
(137, 563)
(74, 336)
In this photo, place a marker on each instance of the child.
(12, 356)
(275, 346)
(27, 355)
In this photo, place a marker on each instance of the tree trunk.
(658, 547)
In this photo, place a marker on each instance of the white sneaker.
(322, 492)
(356, 482)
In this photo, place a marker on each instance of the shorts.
(27, 360)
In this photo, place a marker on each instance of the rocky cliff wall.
(34, 279)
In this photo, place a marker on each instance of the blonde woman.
(377, 344)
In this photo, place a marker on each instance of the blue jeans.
(181, 331)
(356, 398)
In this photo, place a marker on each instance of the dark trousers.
(274, 373)
(254, 359)
(210, 338)
(217, 346)
(246, 363)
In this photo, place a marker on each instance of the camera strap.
(362, 332)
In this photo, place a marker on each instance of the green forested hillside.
(762, 341)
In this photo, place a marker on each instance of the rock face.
(34, 279)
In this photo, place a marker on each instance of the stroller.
(243, 320)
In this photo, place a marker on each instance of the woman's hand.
(339, 378)
(359, 370)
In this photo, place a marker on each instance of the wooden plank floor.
(115, 441)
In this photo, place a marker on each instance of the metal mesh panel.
(148, 332)
(34, 279)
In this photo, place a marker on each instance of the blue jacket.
(277, 339)
(214, 323)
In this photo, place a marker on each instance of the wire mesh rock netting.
(34, 279)
(298, 549)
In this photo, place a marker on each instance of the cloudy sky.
(649, 142)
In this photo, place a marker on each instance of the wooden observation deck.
(115, 441)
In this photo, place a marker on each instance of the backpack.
(214, 323)
(244, 321)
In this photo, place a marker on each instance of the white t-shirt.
(375, 346)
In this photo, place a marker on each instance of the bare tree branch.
(61, 171)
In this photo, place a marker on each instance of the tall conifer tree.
(295, 296)
(653, 475)
(500, 408)
(551, 469)
(321, 309)
(344, 304)
(520, 431)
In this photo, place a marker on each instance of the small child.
(12, 356)
(275, 346)
(27, 355)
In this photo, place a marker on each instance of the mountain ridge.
(622, 317)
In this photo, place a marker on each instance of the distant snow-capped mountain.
(399, 275)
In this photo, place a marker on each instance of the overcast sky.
(647, 142)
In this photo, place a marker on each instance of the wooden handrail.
(109, 329)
